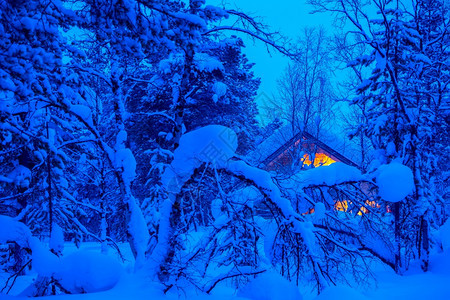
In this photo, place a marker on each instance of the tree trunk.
(424, 250)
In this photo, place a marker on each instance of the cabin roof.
(284, 138)
(327, 149)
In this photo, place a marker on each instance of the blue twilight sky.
(289, 17)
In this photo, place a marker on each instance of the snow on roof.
(285, 134)
(271, 144)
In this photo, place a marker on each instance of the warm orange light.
(320, 159)
(341, 205)
(310, 211)
(364, 210)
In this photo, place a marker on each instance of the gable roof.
(284, 138)
(311, 139)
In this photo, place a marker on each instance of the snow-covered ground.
(414, 284)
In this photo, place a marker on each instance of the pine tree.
(38, 86)
(401, 100)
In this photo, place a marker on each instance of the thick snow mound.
(12, 230)
(336, 173)
(43, 261)
(395, 181)
(213, 144)
(270, 286)
(87, 271)
(340, 293)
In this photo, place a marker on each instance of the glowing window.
(320, 159)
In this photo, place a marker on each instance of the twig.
(15, 275)
(232, 276)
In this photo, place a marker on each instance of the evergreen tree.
(402, 98)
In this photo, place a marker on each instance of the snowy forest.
(138, 161)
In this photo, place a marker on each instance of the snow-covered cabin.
(285, 149)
